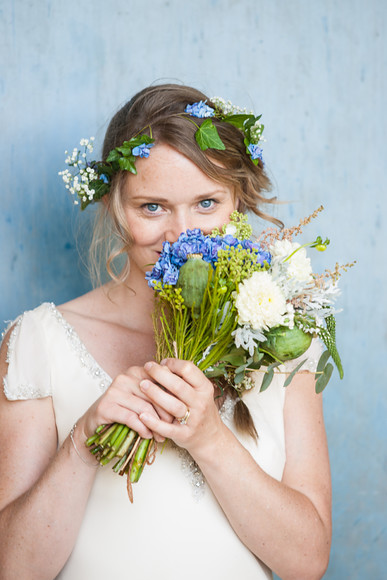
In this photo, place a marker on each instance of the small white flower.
(230, 230)
(298, 266)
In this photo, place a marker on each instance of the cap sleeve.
(312, 355)
(28, 375)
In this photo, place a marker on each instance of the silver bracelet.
(76, 448)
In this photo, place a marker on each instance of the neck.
(132, 299)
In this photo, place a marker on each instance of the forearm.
(278, 524)
(39, 529)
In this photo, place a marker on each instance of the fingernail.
(144, 416)
(144, 385)
(148, 365)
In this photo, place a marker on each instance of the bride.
(217, 503)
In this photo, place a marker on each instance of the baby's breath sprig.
(89, 181)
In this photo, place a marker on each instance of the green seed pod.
(287, 343)
(193, 277)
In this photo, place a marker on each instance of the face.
(169, 195)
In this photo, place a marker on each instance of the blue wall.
(317, 71)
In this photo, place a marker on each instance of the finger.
(172, 382)
(162, 398)
(132, 420)
(166, 430)
(162, 413)
(188, 371)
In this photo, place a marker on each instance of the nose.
(177, 224)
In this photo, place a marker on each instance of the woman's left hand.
(181, 389)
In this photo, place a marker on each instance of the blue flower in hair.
(200, 110)
(255, 151)
(142, 150)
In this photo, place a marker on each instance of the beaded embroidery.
(189, 466)
(85, 358)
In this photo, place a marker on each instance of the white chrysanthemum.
(298, 266)
(260, 302)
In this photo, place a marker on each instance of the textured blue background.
(317, 71)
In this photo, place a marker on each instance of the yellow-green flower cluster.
(237, 227)
(236, 264)
(171, 294)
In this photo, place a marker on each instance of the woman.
(260, 505)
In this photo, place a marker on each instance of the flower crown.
(89, 181)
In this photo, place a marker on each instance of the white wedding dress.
(175, 529)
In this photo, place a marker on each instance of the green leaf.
(218, 371)
(125, 150)
(239, 120)
(322, 382)
(207, 136)
(113, 156)
(322, 362)
(241, 369)
(258, 356)
(255, 365)
(139, 140)
(294, 371)
(234, 359)
(239, 378)
(127, 165)
(268, 376)
(99, 187)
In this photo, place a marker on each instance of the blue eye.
(206, 203)
(152, 207)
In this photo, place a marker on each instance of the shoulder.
(32, 317)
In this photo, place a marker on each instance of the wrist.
(77, 440)
(212, 446)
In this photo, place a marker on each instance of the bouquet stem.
(119, 441)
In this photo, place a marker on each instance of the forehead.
(166, 170)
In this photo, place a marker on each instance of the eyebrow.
(158, 198)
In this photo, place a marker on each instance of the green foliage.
(268, 376)
(207, 136)
(328, 336)
(294, 372)
(323, 379)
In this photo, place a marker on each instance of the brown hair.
(158, 110)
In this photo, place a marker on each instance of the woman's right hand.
(123, 402)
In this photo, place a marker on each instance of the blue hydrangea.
(255, 151)
(104, 178)
(200, 110)
(142, 150)
(173, 256)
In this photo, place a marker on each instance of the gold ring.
(183, 420)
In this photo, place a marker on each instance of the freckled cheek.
(145, 235)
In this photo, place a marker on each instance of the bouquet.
(233, 304)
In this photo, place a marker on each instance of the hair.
(157, 110)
